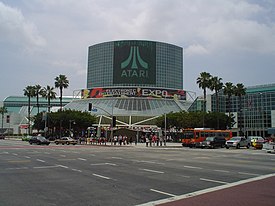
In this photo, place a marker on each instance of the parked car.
(256, 141)
(66, 140)
(237, 142)
(213, 142)
(39, 140)
(2, 136)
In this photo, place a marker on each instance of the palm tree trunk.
(29, 115)
(60, 99)
(217, 110)
(37, 103)
(2, 120)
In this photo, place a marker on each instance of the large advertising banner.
(133, 92)
(134, 62)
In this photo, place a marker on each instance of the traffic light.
(114, 121)
(90, 107)
(8, 118)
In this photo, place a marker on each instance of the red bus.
(193, 137)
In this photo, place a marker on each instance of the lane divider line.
(76, 170)
(108, 178)
(191, 167)
(39, 160)
(46, 167)
(154, 171)
(216, 181)
(164, 193)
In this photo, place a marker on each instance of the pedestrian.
(120, 139)
(115, 139)
(160, 140)
(150, 139)
(147, 141)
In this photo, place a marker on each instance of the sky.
(41, 39)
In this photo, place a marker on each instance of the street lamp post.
(112, 117)
(262, 110)
(70, 125)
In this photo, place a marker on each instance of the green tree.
(240, 91)
(204, 82)
(37, 91)
(3, 110)
(228, 90)
(48, 93)
(29, 91)
(61, 82)
(63, 120)
(216, 85)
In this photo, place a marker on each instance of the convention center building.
(135, 81)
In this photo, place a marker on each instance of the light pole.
(70, 124)
(262, 110)
(165, 121)
(112, 117)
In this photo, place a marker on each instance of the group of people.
(121, 140)
(154, 140)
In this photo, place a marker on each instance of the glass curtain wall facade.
(166, 59)
(254, 117)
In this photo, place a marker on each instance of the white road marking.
(101, 176)
(4, 153)
(201, 158)
(40, 160)
(150, 162)
(62, 155)
(82, 159)
(246, 173)
(15, 154)
(191, 167)
(76, 170)
(155, 171)
(98, 164)
(119, 158)
(164, 193)
(216, 181)
(27, 157)
(106, 163)
(63, 166)
(46, 167)
(110, 164)
(225, 171)
(17, 168)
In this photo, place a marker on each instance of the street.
(126, 175)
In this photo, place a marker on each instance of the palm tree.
(240, 91)
(228, 90)
(204, 82)
(3, 110)
(48, 93)
(29, 92)
(61, 82)
(216, 85)
(37, 92)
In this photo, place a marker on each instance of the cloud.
(16, 30)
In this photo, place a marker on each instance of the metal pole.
(262, 114)
(112, 131)
(165, 122)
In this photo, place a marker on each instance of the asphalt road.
(133, 175)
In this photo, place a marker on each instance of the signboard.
(144, 92)
(134, 62)
(24, 126)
